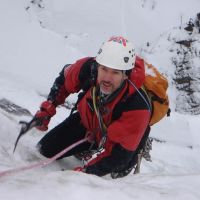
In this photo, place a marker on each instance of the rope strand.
(148, 103)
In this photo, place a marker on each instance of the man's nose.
(107, 77)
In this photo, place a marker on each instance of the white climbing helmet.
(117, 53)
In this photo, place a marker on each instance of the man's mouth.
(106, 87)
(106, 84)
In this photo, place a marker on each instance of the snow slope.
(35, 44)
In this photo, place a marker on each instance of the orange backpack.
(156, 86)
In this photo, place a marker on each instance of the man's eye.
(116, 72)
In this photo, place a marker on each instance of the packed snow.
(36, 41)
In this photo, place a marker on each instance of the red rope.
(42, 163)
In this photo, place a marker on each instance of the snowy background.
(37, 38)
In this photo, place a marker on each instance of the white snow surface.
(35, 43)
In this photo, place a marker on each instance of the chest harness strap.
(102, 125)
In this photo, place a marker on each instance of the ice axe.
(25, 127)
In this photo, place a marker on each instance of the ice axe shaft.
(26, 126)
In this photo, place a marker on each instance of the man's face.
(109, 79)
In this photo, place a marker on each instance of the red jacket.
(129, 126)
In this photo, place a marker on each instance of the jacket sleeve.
(117, 161)
(58, 93)
(69, 81)
(126, 133)
(137, 75)
(129, 128)
(79, 75)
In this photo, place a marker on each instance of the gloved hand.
(47, 110)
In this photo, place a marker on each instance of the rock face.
(187, 72)
(176, 53)
(12, 108)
